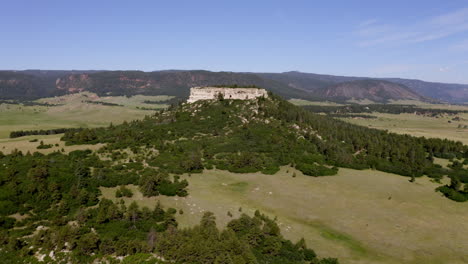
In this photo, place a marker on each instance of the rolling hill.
(33, 84)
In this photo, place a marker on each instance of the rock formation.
(210, 93)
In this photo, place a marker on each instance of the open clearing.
(23, 144)
(357, 216)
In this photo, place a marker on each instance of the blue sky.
(426, 40)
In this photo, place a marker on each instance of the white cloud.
(373, 33)
(444, 69)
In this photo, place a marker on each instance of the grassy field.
(7, 145)
(70, 111)
(418, 125)
(358, 216)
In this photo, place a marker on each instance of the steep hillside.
(31, 84)
(175, 83)
(374, 90)
(18, 85)
(455, 93)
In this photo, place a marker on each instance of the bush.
(316, 170)
(123, 192)
(457, 196)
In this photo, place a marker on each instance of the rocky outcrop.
(73, 83)
(210, 93)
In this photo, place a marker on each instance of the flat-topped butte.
(210, 93)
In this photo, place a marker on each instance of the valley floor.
(358, 216)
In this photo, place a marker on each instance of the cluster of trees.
(123, 192)
(457, 190)
(247, 239)
(101, 103)
(147, 108)
(173, 100)
(44, 146)
(22, 133)
(352, 116)
(53, 185)
(25, 103)
(153, 183)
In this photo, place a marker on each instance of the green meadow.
(358, 216)
(69, 111)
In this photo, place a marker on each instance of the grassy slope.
(358, 216)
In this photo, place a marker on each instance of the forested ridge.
(58, 194)
(265, 134)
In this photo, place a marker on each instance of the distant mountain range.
(32, 84)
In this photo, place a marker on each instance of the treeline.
(25, 103)
(171, 101)
(381, 108)
(457, 190)
(22, 133)
(101, 103)
(352, 116)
